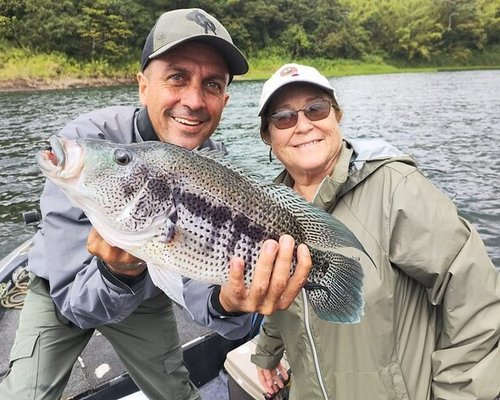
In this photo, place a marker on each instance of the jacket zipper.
(311, 342)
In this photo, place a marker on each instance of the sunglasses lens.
(284, 119)
(317, 110)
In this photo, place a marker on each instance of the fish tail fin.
(335, 283)
(334, 288)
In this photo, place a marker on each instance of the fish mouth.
(63, 160)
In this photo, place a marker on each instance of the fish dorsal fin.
(168, 281)
(223, 159)
(214, 154)
(318, 225)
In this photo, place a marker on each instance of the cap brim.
(266, 103)
(235, 60)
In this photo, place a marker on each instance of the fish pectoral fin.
(170, 282)
(170, 225)
(170, 232)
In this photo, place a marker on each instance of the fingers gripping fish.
(190, 212)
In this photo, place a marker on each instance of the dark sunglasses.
(314, 111)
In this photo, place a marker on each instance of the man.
(80, 283)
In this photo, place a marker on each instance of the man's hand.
(272, 287)
(118, 261)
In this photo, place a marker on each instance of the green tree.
(253, 25)
(489, 15)
(296, 40)
(336, 36)
(463, 30)
(41, 25)
(105, 28)
(395, 29)
(12, 13)
(418, 31)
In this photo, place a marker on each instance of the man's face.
(185, 93)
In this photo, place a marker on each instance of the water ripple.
(449, 122)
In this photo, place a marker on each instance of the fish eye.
(122, 157)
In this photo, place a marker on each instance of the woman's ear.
(266, 139)
(264, 133)
(339, 114)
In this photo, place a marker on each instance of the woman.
(431, 322)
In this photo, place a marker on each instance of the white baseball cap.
(292, 73)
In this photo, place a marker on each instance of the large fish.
(190, 212)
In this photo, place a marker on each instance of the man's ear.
(143, 87)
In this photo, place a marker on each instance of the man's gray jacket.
(83, 290)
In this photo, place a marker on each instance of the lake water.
(449, 122)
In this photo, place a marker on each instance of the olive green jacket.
(431, 323)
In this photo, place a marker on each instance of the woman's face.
(309, 149)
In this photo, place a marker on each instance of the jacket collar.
(144, 127)
(346, 175)
(332, 184)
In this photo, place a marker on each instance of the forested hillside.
(404, 29)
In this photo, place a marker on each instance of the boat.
(219, 367)
(99, 374)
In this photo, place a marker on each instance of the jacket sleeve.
(83, 293)
(430, 242)
(270, 347)
(81, 287)
(197, 297)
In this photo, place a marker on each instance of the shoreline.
(32, 84)
(39, 84)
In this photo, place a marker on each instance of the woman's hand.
(273, 380)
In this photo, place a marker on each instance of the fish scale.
(191, 211)
(215, 232)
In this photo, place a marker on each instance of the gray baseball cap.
(179, 26)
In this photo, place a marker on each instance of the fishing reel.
(32, 218)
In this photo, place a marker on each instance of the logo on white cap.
(289, 71)
(292, 73)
